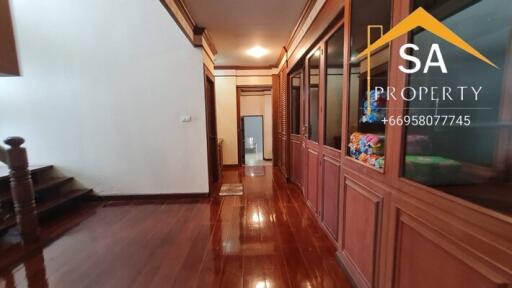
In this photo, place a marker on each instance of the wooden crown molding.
(308, 8)
(295, 32)
(311, 16)
(197, 35)
(236, 67)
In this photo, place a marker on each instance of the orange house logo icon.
(419, 18)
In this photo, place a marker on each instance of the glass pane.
(313, 84)
(334, 90)
(466, 151)
(367, 106)
(295, 102)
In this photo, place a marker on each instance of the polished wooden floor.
(265, 238)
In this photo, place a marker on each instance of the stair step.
(5, 197)
(63, 198)
(48, 205)
(47, 184)
(4, 171)
(9, 222)
(52, 183)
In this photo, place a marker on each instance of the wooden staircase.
(51, 191)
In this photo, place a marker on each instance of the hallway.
(265, 238)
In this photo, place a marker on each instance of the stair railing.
(22, 189)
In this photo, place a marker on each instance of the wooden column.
(22, 190)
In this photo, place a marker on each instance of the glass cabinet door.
(313, 94)
(295, 99)
(368, 77)
(464, 146)
(334, 89)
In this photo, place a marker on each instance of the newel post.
(22, 190)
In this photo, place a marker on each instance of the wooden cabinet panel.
(362, 214)
(283, 155)
(296, 166)
(312, 176)
(331, 188)
(424, 260)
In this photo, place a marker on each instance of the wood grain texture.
(266, 238)
(331, 191)
(8, 55)
(423, 260)
(361, 232)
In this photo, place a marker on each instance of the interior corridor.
(265, 238)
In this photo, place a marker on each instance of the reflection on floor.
(256, 159)
(265, 238)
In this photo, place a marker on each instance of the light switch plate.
(186, 118)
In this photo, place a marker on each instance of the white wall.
(225, 100)
(103, 86)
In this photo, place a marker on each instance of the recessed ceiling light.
(257, 52)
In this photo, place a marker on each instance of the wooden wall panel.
(296, 165)
(362, 214)
(276, 88)
(312, 179)
(283, 125)
(331, 189)
(424, 260)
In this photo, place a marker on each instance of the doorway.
(214, 169)
(254, 114)
(253, 139)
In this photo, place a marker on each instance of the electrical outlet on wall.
(186, 118)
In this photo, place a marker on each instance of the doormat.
(236, 189)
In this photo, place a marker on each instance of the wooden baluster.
(22, 190)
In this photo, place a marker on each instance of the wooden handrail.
(22, 189)
(3, 155)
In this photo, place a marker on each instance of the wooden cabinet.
(391, 230)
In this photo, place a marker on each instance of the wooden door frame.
(208, 76)
(298, 71)
(239, 89)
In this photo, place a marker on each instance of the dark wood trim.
(248, 67)
(328, 16)
(183, 18)
(202, 37)
(211, 140)
(22, 191)
(242, 76)
(231, 166)
(275, 111)
(238, 126)
(8, 55)
(148, 197)
(188, 21)
(208, 73)
(300, 23)
(298, 26)
(257, 87)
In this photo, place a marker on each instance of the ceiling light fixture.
(257, 52)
